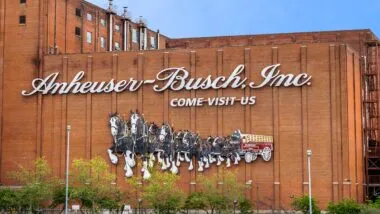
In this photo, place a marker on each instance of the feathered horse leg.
(146, 174)
(200, 165)
(132, 161)
(187, 157)
(211, 158)
(238, 156)
(219, 158)
(167, 160)
(127, 168)
(191, 166)
(228, 162)
(178, 162)
(159, 159)
(151, 160)
(174, 168)
(206, 160)
(180, 157)
(112, 157)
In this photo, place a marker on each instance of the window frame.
(22, 18)
(89, 37)
(117, 47)
(103, 22)
(134, 35)
(78, 29)
(89, 17)
(117, 27)
(153, 42)
(102, 42)
(78, 12)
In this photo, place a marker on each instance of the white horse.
(121, 144)
(139, 133)
(166, 137)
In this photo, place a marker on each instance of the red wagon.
(256, 145)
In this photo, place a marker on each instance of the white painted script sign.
(175, 79)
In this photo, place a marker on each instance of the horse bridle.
(134, 120)
(116, 121)
(184, 139)
(167, 131)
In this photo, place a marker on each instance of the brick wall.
(62, 21)
(324, 117)
(320, 117)
(355, 38)
(21, 49)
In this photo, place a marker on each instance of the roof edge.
(272, 34)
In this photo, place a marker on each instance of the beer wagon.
(252, 145)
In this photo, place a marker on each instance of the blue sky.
(199, 18)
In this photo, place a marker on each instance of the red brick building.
(336, 116)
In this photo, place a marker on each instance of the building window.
(153, 42)
(22, 20)
(89, 37)
(117, 27)
(78, 12)
(103, 22)
(22, 1)
(102, 42)
(89, 17)
(77, 31)
(117, 46)
(134, 35)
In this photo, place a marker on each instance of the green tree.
(221, 197)
(374, 204)
(345, 206)
(161, 192)
(92, 186)
(38, 185)
(371, 207)
(195, 201)
(8, 199)
(302, 204)
(245, 206)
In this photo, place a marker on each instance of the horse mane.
(126, 129)
(115, 114)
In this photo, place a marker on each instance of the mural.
(152, 143)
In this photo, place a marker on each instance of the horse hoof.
(151, 164)
(132, 163)
(146, 175)
(174, 171)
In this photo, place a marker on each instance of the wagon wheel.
(250, 157)
(266, 154)
(254, 156)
